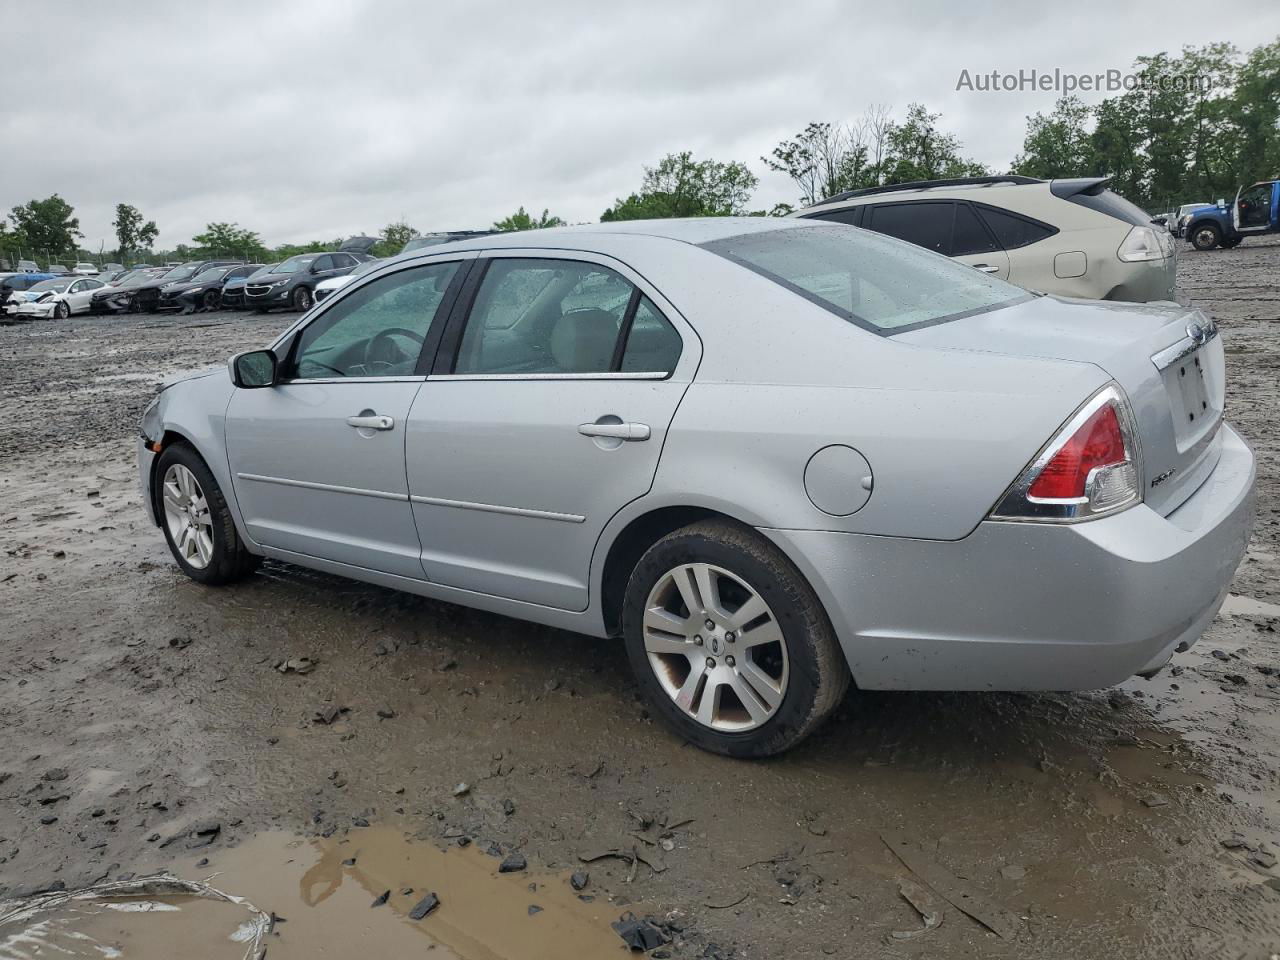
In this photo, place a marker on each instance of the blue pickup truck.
(1256, 210)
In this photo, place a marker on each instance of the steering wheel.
(382, 352)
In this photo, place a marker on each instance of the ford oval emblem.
(1198, 334)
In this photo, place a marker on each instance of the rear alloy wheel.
(1206, 237)
(197, 522)
(729, 643)
(210, 300)
(302, 299)
(61, 310)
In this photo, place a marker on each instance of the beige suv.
(1074, 238)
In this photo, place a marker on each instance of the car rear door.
(317, 461)
(545, 413)
(943, 226)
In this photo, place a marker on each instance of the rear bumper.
(1028, 606)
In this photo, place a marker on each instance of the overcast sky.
(308, 120)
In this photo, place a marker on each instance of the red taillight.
(1098, 443)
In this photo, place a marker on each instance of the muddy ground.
(144, 725)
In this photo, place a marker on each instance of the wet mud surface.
(145, 725)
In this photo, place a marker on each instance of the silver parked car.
(774, 456)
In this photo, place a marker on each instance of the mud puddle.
(323, 889)
(332, 898)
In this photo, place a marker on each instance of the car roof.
(692, 230)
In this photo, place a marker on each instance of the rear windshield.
(1113, 205)
(874, 281)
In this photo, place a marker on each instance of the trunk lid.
(1168, 359)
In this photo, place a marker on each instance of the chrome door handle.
(986, 268)
(374, 422)
(618, 431)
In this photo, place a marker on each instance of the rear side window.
(544, 316)
(1012, 230)
(653, 345)
(969, 236)
(926, 223)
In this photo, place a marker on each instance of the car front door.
(81, 293)
(1252, 213)
(545, 413)
(317, 461)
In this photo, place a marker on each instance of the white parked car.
(1074, 238)
(326, 287)
(85, 270)
(54, 299)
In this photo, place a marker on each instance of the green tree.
(47, 225)
(1058, 145)
(917, 150)
(230, 239)
(393, 237)
(520, 220)
(131, 233)
(823, 159)
(680, 186)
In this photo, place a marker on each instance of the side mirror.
(254, 369)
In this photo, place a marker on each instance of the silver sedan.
(773, 457)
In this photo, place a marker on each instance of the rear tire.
(766, 695)
(1206, 236)
(196, 520)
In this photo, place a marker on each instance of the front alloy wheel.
(61, 311)
(197, 522)
(302, 299)
(186, 514)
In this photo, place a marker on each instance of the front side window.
(544, 316)
(298, 264)
(850, 215)
(375, 331)
(872, 281)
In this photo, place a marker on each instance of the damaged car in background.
(118, 297)
(774, 457)
(54, 299)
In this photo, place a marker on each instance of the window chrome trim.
(328, 487)
(619, 375)
(303, 380)
(498, 508)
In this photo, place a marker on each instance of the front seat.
(582, 341)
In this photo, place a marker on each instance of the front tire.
(196, 520)
(729, 643)
(302, 299)
(1206, 237)
(61, 310)
(210, 300)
